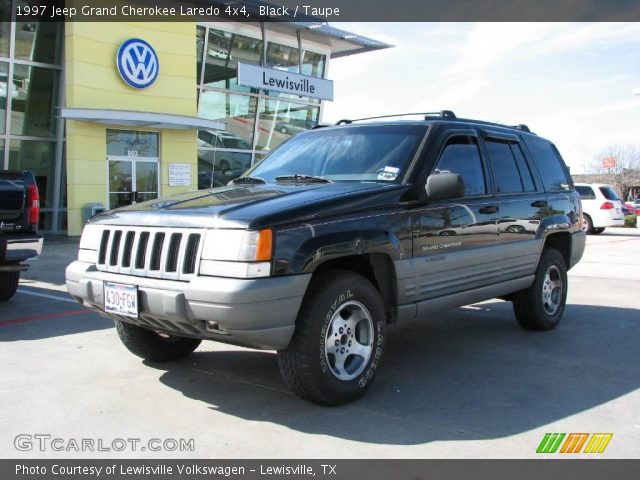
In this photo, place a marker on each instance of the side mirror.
(441, 186)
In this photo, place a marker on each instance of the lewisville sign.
(254, 76)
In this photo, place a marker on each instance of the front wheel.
(8, 284)
(540, 307)
(154, 346)
(337, 347)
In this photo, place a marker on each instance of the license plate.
(121, 299)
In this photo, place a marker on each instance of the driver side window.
(461, 155)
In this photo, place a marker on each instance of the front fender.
(303, 248)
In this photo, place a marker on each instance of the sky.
(569, 82)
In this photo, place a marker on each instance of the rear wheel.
(587, 224)
(154, 346)
(337, 346)
(8, 284)
(540, 307)
(597, 231)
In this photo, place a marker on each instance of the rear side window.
(585, 192)
(549, 163)
(609, 193)
(510, 171)
(462, 156)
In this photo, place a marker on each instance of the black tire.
(588, 223)
(8, 284)
(540, 307)
(153, 346)
(597, 231)
(306, 366)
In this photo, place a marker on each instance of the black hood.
(255, 206)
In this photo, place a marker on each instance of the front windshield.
(362, 153)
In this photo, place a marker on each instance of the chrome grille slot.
(104, 241)
(156, 252)
(172, 255)
(168, 253)
(191, 254)
(114, 250)
(141, 251)
(127, 249)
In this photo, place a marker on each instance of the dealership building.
(107, 113)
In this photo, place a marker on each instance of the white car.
(601, 207)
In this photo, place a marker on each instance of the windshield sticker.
(388, 173)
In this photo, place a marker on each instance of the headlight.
(90, 244)
(237, 253)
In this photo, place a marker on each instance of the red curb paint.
(36, 318)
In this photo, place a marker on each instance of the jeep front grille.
(170, 253)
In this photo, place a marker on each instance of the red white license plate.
(121, 299)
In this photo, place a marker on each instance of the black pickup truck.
(336, 234)
(19, 217)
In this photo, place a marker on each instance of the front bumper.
(258, 313)
(15, 248)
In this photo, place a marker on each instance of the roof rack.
(427, 115)
(522, 127)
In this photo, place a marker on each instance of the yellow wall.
(92, 81)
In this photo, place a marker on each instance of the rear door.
(455, 241)
(522, 203)
(12, 196)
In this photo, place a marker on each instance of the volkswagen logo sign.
(138, 63)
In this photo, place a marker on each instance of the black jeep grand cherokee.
(336, 234)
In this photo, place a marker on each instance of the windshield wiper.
(297, 177)
(252, 180)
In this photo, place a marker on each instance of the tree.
(626, 173)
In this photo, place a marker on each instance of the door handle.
(489, 209)
(539, 203)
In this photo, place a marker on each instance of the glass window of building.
(38, 41)
(6, 88)
(34, 100)
(236, 112)
(39, 158)
(5, 30)
(217, 167)
(127, 143)
(313, 64)
(200, 33)
(223, 52)
(28, 102)
(283, 57)
(279, 120)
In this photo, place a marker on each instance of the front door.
(132, 162)
(455, 244)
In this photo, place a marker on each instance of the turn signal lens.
(264, 247)
(33, 204)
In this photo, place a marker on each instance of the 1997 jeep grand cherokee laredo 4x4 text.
(337, 233)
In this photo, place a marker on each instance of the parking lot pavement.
(465, 383)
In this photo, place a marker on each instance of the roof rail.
(522, 127)
(427, 115)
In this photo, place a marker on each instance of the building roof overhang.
(128, 118)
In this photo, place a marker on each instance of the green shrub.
(630, 221)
